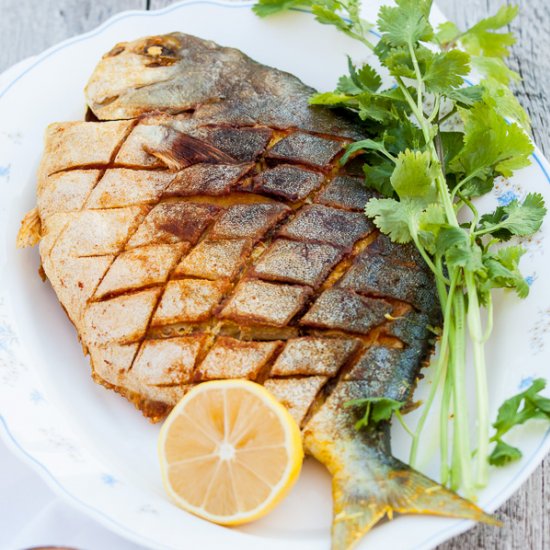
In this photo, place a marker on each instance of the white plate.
(93, 446)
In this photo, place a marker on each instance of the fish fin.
(400, 489)
(30, 232)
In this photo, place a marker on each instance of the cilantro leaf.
(377, 409)
(327, 16)
(393, 217)
(399, 62)
(263, 8)
(446, 70)
(447, 33)
(452, 143)
(401, 136)
(490, 143)
(369, 78)
(366, 104)
(515, 218)
(362, 145)
(466, 96)
(481, 38)
(413, 177)
(503, 270)
(494, 67)
(347, 86)
(515, 411)
(432, 219)
(459, 251)
(365, 78)
(430, 223)
(476, 186)
(333, 99)
(499, 96)
(503, 454)
(449, 237)
(407, 23)
(377, 176)
(375, 108)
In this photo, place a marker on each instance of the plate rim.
(53, 481)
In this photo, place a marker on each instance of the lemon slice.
(229, 452)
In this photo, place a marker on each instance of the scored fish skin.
(213, 234)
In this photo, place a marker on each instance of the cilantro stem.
(489, 326)
(435, 110)
(477, 337)
(447, 116)
(361, 39)
(401, 420)
(463, 181)
(446, 397)
(473, 209)
(440, 368)
(454, 481)
(462, 458)
(419, 81)
(387, 154)
(437, 272)
(490, 229)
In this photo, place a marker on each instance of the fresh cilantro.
(364, 79)
(516, 218)
(494, 67)
(413, 177)
(499, 96)
(491, 144)
(466, 97)
(377, 409)
(452, 143)
(392, 217)
(432, 144)
(377, 176)
(446, 70)
(503, 454)
(407, 23)
(517, 410)
(269, 7)
(483, 38)
(447, 33)
(365, 144)
(503, 270)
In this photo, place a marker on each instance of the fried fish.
(199, 226)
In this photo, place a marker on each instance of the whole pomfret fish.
(198, 225)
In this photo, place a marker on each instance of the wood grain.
(29, 26)
(530, 56)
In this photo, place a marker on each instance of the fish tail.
(394, 487)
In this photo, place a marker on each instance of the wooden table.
(29, 26)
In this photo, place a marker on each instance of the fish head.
(113, 91)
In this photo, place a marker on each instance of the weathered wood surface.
(530, 55)
(29, 26)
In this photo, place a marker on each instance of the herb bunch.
(434, 144)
